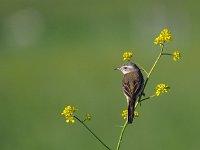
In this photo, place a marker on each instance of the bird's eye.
(125, 67)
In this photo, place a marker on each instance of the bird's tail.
(131, 108)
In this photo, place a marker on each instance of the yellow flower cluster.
(136, 114)
(162, 88)
(165, 36)
(68, 113)
(88, 117)
(176, 55)
(127, 56)
(125, 114)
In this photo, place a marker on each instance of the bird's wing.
(131, 87)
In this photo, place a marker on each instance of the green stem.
(155, 63)
(150, 72)
(166, 54)
(121, 135)
(142, 69)
(147, 98)
(92, 133)
(136, 104)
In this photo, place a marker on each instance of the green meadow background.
(58, 53)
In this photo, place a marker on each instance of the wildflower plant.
(176, 55)
(125, 114)
(68, 112)
(162, 88)
(163, 37)
(127, 56)
(161, 40)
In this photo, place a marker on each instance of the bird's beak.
(117, 68)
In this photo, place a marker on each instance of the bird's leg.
(141, 94)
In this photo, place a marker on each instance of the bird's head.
(127, 68)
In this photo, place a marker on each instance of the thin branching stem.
(142, 68)
(146, 98)
(150, 72)
(121, 135)
(167, 54)
(82, 122)
(155, 63)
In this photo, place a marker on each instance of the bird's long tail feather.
(131, 108)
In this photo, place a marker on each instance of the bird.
(132, 86)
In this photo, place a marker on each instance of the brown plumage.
(132, 85)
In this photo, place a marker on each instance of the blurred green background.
(58, 53)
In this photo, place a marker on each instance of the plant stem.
(136, 104)
(155, 63)
(142, 69)
(121, 135)
(147, 98)
(166, 54)
(150, 72)
(92, 133)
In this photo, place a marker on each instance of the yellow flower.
(159, 40)
(136, 114)
(68, 113)
(176, 55)
(88, 117)
(125, 114)
(127, 56)
(162, 88)
(164, 36)
(70, 119)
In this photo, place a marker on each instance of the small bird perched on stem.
(132, 85)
